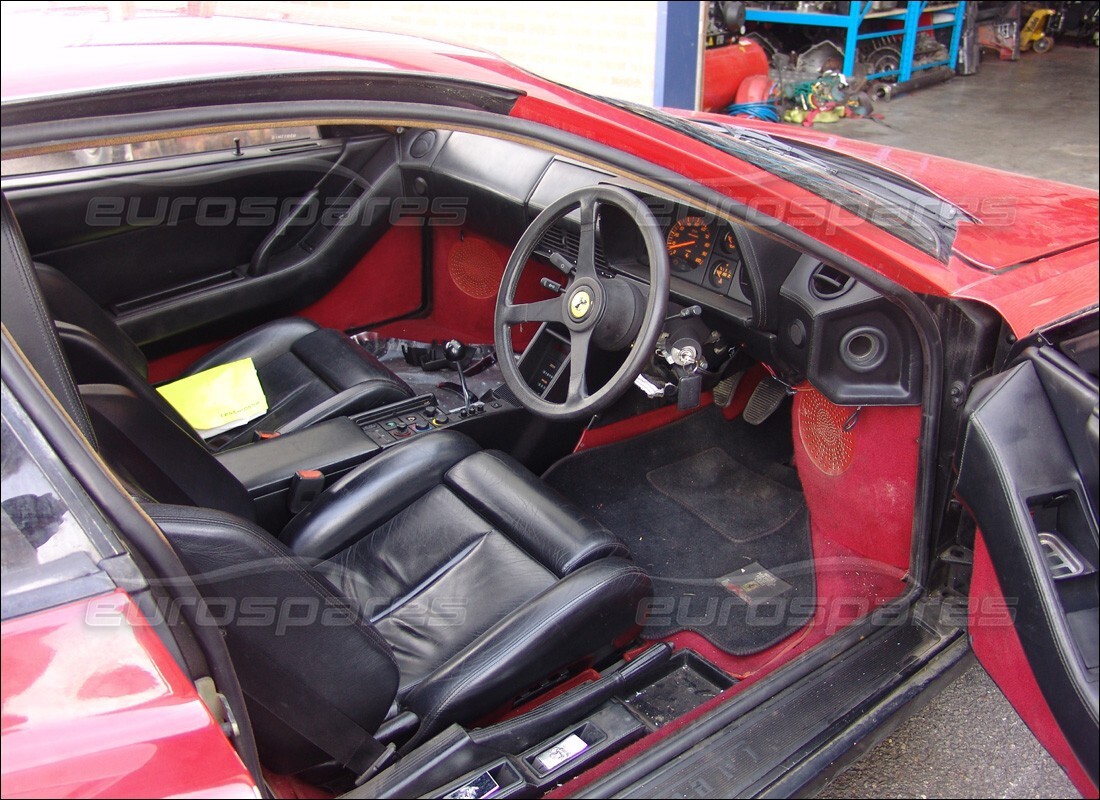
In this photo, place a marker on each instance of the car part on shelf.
(883, 58)
(884, 55)
(823, 56)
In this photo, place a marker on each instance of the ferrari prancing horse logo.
(579, 304)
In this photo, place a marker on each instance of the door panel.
(121, 237)
(170, 246)
(1027, 474)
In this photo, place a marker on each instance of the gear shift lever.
(454, 351)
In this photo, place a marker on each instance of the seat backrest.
(29, 323)
(97, 349)
(158, 456)
(143, 438)
(303, 654)
(301, 651)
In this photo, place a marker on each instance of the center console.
(418, 415)
(278, 471)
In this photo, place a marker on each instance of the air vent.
(829, 283)
(744, 284)
(559, 239)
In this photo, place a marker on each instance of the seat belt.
(324, 725)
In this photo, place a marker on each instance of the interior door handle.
(258, 264)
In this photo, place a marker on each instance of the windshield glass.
(887, 200)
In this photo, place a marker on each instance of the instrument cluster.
(708, 253)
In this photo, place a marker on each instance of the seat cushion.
(588, 614)
(481, 578)
(263, 344)
(434, 578)
(308, 375)
(538, 518)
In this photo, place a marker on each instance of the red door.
(1028, 474)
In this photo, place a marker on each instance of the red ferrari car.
(382, 420)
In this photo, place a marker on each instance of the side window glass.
(50, 533)
(157, 148)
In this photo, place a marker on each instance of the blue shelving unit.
(860, 12)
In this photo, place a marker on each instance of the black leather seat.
(308, 373)
(467, 581)
(428, 586)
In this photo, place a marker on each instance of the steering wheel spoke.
(540, 311)
(586, 254)
(579, 342)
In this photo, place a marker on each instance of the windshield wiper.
(846, 167)
(769, 143)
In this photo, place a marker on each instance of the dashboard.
(805, 319)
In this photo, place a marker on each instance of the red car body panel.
(103, 710)
(997, 645)
(1019, 220)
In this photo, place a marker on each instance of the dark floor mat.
(727, 495)
(715, 514)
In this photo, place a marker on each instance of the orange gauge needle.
(681, 244)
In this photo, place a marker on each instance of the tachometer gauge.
(721, 275)
(689, 244)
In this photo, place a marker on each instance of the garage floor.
(1037, 116)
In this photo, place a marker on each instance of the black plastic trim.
(757, 747)
(377, 87)
(806, 777)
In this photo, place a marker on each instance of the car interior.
(567, 459)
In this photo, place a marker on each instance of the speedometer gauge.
(689, 244)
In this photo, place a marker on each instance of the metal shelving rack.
(859, 11)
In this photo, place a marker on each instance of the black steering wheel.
(611, 313)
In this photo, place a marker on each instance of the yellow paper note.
(218, 399)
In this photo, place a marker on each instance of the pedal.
(724, 390)
(766, 398)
